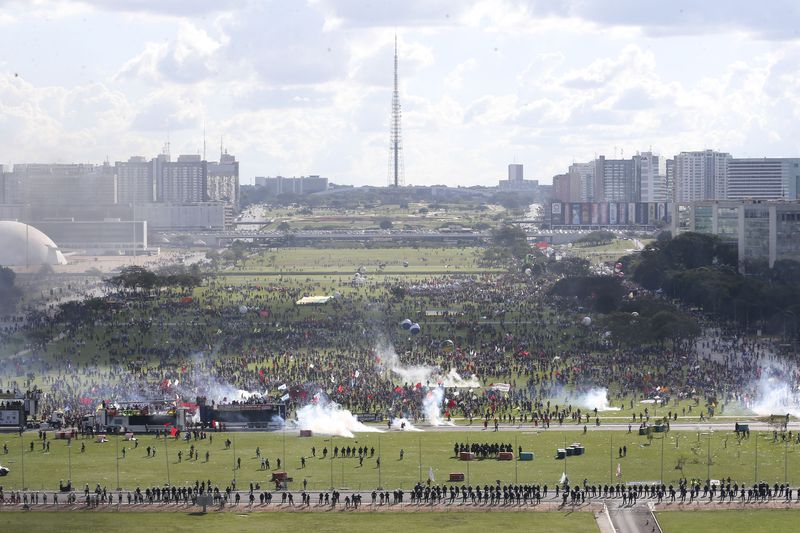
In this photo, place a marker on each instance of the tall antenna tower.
(396, 177)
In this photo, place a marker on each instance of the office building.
(183, 181)
(516, 180)
(60, 184)
(136, 183)
(200, 216)
(104, 236)
(615, 180)
(300, 186)
(760, 230)
(651, 174)
(223, 180)
(700, 175)
(762, 179)
(567, 187)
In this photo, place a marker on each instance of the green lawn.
(422, 451)
(349, 259)
(754, 521)
(321, 522)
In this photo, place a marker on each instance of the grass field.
(422, 451)
(329, 522)
(754, 521)
(435, 260)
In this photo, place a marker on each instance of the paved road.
(685, 426)
(635, 519)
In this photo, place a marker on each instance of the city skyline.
(484, 83)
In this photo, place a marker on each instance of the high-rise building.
(567, 187)
(700, 175)
(651, 174)
(585, 177)
(515, 172)
(763, 178)
(183, 181)
(223, 180)
(136, 182)
(615, 180)
(61, 184)
(670, 166)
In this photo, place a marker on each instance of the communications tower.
(396, 177)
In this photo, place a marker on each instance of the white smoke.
(432, 407)
(423, 374)
(454, 379)
(397, 423)
(596, 398)
(329, 418)
(775, 394)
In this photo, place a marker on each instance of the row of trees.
(702, 271)
(136, 278)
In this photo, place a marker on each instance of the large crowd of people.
(252, 338)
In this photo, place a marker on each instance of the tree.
(385, 224)
(9, 293)
(511, 240)
(596, 238)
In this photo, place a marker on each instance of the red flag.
(173, 431)
(340, 389)
(167, 425)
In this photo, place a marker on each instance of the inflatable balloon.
(406, 324)
(586, 321)
(414, 329)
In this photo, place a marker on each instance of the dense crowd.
(227, 340)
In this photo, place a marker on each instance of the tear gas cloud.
(397, 423)
(325, 417)
(432, 407)
(424, 374)
(595, 398)
(776, 393)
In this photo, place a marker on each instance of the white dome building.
(24, 245)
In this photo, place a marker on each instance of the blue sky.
(304, 87)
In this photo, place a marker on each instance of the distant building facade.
(700, 175)
(763, 179)
(760, 230)
(300, 186)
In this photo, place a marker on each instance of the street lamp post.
(380, 487)
(117, 446)
(166, 458)
(756, 475)
(611, 459)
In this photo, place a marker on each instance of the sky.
(299, 87)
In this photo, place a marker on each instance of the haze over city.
(299, 88)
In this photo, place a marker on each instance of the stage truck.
(136, 417)
(242, 415)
